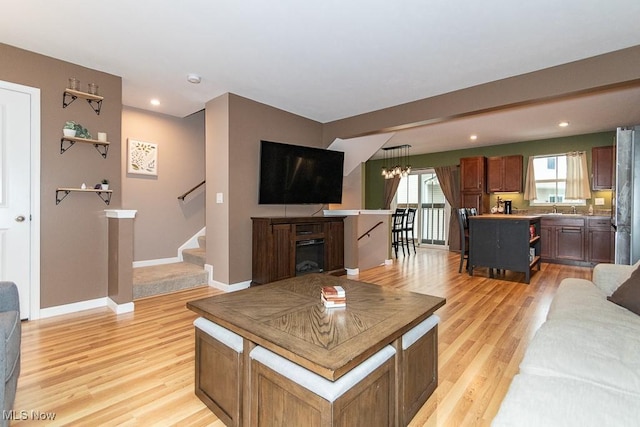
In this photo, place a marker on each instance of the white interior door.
(15, 192)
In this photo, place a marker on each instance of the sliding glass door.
(421, 190)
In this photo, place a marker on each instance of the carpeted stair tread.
(165, 278)
(195, 256)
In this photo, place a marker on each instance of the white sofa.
(582, 367)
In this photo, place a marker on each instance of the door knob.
(20, 218)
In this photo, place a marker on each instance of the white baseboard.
(229, 288)
(73, 307)
(223, 286)
(352, 271)
(120, 308)
(388, 262)
(152, 262)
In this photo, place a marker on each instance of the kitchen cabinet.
(600, 240)
(504, 174)
(576, 240)
(602, 168)
(505, 242)
(563, 239)
(473, 174)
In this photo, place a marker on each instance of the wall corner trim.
(120, 308)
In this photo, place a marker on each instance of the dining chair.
(408, 228)
(463, 220)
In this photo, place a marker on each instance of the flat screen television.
(293, 174)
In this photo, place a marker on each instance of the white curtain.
(577, 176)
(530, 192)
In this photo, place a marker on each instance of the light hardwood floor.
(96, 368)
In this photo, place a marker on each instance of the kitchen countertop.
(505, 216)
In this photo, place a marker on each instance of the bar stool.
(397, 228)
(408, 228)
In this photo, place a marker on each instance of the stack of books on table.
(334, 296)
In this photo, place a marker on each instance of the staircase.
(167, 278)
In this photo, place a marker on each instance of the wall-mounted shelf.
(61, 193)
(70, 95)
(101, 146)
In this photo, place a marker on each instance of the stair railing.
(368, 232)
(181, 197)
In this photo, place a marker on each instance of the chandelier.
(396, 161)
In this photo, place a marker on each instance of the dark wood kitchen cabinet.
(600, 240)
(473, 184)
(576, 240)
(504, 174)
(563, 239)
(473, 174)
(277, 241)
(602, 168)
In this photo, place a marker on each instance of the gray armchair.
(11, 331)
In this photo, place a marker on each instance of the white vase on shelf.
(69, 132)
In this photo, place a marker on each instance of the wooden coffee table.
(289, 319)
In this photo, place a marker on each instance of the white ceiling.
(331, 59)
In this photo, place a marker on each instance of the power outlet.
(599, 201)
(219, 198)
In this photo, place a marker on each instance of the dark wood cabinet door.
(472, 173)
(602, 168)
(600, 246)
(334, 246)
(570, 243)
(504, 174)
(283, 262)
(471, 200)
(512, 173)
(475, 199)
(495, 174)
(547, 237)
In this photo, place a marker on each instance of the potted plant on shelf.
(80, 131)
(69, 129)
(105, 184)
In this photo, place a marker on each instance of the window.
(551, 181)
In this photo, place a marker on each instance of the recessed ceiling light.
(563, 124)
(155, 102)
(194, 78)
(473, 137)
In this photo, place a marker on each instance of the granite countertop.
(506, 216)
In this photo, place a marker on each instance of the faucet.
(573, 210)
(555, 209)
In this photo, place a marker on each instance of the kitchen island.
(505, 242)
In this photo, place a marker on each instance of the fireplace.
(309, 256)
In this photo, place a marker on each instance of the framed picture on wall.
(142, 157)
